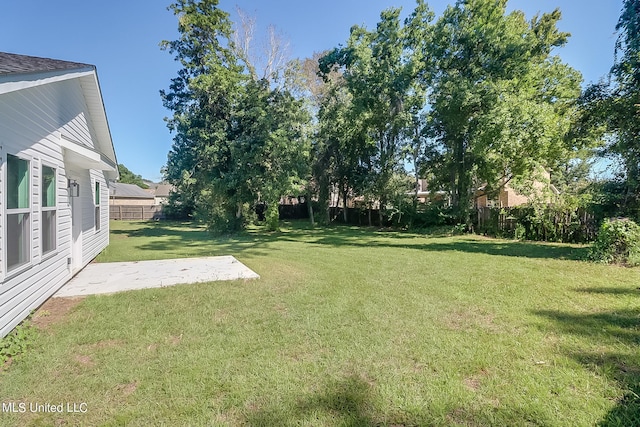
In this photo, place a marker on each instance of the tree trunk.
(310, 208)
(462, 192)
(380, 213)
(345, 213)
(415, 200)
(323, 200)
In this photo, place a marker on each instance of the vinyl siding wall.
(31, 124)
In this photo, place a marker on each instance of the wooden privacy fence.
(134, 212)
(575, 226)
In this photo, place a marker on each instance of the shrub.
(16, 342)
(226, 219)
(432, 214)
(271, 217)
(618, 242)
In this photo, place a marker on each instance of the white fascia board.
(98, 114)
(13, 82)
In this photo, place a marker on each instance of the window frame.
(97, 199)
(18, 268)
(44, 209)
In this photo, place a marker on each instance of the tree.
(612, 108)
(500, 103)
(202, 99)
(626, 94)
(341, 147)
(380, 73)
(303, 80)
(270, 148)
(128, 177)
(237, 140)
(610, 112)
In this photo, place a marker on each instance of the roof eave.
(18, 81)
(88, 77)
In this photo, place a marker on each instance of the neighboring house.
(161, 192)
(508, 197)
(121, 194)
(424, 195)
(56, 156)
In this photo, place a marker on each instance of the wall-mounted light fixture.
(74, 188)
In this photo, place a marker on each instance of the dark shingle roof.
(11, 63)
(163, 190)
(130, 191)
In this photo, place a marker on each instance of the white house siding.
(32, 122)
(93, 241)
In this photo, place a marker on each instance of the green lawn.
(347, 327)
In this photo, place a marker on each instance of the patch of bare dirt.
(474, 382)
(54, 311)
(465, 320)
(84, 360)
(175, 339)
(127, 389)
(107, 344)
(6, 364)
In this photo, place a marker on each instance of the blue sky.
(121, 38)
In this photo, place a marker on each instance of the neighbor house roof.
(163, 190)
(11, 63)
(127, 191)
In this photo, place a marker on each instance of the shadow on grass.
(347, 402)
(368, 238)
(183, 229)
(352, 402)
(188, 239)
(185, 234)
(612, 291)
(614, 327)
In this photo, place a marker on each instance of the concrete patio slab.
(111, 277)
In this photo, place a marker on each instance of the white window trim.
(30, 210)
(56, 208)
(97, 219)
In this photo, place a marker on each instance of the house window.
(18, 213)
(48, 231)
(97, 206)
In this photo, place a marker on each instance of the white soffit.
(12, 83)
(85, 157)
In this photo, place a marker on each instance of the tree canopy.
(474, 98)
(128, 177)
(610, 110)
(238, 141)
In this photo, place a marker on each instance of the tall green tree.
(237, 141)
(342, 148)
(626, 98)
(610, 110)
(500, 103)
(302, 78)
(380, 71)
(201, 98)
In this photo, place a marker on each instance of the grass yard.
(346, 327)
